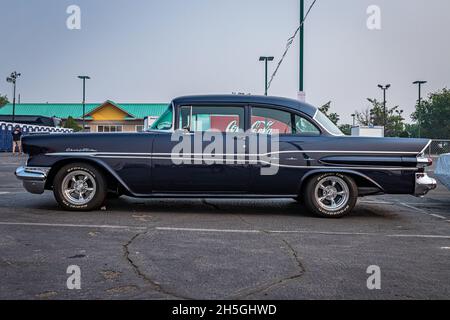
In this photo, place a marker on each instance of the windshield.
(164, 122)
(327, 124)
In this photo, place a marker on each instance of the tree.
(334, 117)
(325, 109)
(3, 100)
(363, 118)
(433, 115)
(346, 129)
(412, 130)
(374, 115)
(70, 123)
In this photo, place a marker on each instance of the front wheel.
(79, 187)
(331, 195)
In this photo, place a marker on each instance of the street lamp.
(384, 88)
(13, 79)
(419, 83)
(265, 59)
(301, 51)
(84, 78)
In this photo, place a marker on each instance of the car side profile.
(312, 160)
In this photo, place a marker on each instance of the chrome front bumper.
(33, 178)
(423, 184)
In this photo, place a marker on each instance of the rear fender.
(361, 180)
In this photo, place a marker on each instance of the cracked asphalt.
(221, 249)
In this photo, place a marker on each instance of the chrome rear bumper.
(423, 184)
(33, 178)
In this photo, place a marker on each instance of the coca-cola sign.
(226, 123)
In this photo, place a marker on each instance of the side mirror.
(187, 129)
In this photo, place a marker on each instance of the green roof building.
(99, 117)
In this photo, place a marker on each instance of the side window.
(164, 122)
(266, 120)
(303, 126)
(204, 118)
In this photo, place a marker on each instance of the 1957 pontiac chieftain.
(315, 163)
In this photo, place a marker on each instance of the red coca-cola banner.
(230, 123)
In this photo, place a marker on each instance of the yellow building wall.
(108, 112)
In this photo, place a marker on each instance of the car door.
(202, 154)
(286, 134)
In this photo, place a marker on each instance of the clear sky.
(154, 50)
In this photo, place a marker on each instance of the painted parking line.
(423, 211)
(396, 203)
(4, 192)
(375, 202)
(431, 236)
(213, 230)
(68, 225)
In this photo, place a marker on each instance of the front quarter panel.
(125, 156)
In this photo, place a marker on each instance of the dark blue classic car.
(227, 146)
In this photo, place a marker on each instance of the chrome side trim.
(196, 157)
(227, 154)
(192, 157)
(427, 145)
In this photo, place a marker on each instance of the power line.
(289, 43)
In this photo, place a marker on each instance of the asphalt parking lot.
(223, 249)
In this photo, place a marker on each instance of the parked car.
(316, 164)
(442, 171)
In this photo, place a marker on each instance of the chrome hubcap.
(79, 187)
(332, 193)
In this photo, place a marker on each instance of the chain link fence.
(438, 147)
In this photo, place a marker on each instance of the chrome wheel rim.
(79, 187)
(332, 193)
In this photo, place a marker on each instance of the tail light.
(423, 161)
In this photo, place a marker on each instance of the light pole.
(265, 59)
(301, 35)
(84, 78)
(13, 79)
(384, 88)
(419, 83)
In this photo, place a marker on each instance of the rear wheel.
(331, 195)
(79, 187)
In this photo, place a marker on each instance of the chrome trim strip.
(229, 154)
(323, 127)
(427, 145)
(192, 157)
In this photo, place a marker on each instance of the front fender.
(59, 163)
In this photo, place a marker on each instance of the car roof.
(237, 98)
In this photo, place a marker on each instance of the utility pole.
(266, 59)
(384, 88)
(13, 79)
(301, 93)
(419, 83)
(84, 78)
